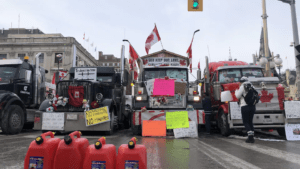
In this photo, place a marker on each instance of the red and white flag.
(152, 39)
(132, 61)
(83, 36)
(199, 65)
(189, 52)
(62, 74)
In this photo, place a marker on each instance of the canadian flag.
(152, 39)
(132, 61)
(189, 53)
(199, 65)
(62, 74)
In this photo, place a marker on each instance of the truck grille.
(63, 88)
(173, 102)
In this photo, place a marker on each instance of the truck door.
(24, 84)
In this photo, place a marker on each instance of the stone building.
(109, 60)
(16, 43)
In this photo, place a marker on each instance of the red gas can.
(70, 152)
(100, 155)
(132, 155)
(41, 152)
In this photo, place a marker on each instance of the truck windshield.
(7, 72)
(104, 78)
(252, 72)
(162, 73)
(229, 76)
(234, 75)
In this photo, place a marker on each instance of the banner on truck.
(97, 116)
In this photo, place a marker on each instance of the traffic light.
(195, 5)
(298, 49)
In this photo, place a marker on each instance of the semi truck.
(147, 106)
(22, 89)
(89, 88)
(224, 76)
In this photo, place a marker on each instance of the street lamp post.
(296, 40)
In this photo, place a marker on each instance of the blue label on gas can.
(131, 164)
(98, 164)
(36, 162)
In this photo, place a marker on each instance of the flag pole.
(160, 39)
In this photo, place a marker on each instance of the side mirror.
(27, 76)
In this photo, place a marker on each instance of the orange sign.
(154, 128)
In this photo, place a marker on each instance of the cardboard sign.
(177, 119)
(187, 132)
(180, 87)
(164, 87)
(154, 128)
(149, 86)
(292, 109)
(292, 132)
(85, 73)
(53, 121)
(97, 116)
(235, 111)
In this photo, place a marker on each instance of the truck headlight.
(139, 98)
(196, 98)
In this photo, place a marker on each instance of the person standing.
(247, 110)
(206, 103)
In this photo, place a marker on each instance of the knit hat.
(244, 79)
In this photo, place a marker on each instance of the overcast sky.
(223, 24)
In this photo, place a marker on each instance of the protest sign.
(177, 119)
(53, 121)
(154, 128)
(292, 132)
(187, 132)
(164, 87)
(97, 116)
(292, 109)
(235, 111)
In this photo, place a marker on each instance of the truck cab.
(22, 89)
(225, 76)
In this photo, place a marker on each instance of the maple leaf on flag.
(182, 62)
(265, 97)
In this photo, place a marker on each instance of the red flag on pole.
(53, 79)
(152, 39)
(132, 61)
(199, 65)
(189, 52)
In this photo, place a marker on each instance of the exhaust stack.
(37, 74)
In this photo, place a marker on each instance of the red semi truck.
(224, 76)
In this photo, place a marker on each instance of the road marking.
(224, 159)
(290, 157)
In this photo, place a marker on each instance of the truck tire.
(13, 120)
(281, 131)
(223, 124)
(113, 123)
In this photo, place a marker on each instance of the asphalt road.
(213, 151)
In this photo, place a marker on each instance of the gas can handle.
(49, 133)
(134, 139)
(102, 140)
(75, 133)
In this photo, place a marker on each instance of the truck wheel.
(281, 131)
(13, 120)
(223, 124)
(113, 123)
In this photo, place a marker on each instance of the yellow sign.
(97, 116)
(195, 5)
(177, 119)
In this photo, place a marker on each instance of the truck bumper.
(261, 121)
(70, 121)
(138, 116)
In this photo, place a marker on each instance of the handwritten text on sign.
(235, 111)
(192, 131)
(164, 87)
(97, 116)
(177, 119)
(53, 121)
(292, 109)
